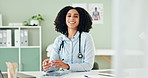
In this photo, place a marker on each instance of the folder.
(4, 37)
(1, 37)
(25, 38)
(9, 38)
(17, 38)
(22, 37)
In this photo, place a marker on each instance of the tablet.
(56, 73)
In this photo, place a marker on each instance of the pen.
(87, 76)
(106, 75)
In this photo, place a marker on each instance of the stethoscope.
(80, 55)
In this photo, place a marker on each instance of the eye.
(68, 15)
(76, 16)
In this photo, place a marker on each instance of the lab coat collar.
(75, 37)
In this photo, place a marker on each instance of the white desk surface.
(91, 74)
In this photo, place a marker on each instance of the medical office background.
(17, 11)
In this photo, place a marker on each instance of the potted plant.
(34, 20)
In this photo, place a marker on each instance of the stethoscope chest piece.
(80, 55)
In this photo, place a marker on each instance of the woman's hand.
(46, 65)
(59, 64)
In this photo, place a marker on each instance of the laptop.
(1, 75)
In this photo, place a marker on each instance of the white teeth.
(71, 22)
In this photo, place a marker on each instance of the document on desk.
(88, 74)
(107, 73)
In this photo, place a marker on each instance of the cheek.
(78, 22)
(66, 21)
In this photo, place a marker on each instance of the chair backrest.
(49, 50)
(96, 66)
(1, 75)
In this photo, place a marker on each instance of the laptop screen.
(1, 75)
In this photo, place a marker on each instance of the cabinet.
(28, 57)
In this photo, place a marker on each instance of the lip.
(71, 22)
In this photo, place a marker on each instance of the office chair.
(1, 75)
(96, 66)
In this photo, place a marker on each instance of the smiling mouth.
(71, 22)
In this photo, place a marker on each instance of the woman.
(74, 48)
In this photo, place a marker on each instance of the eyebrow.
(70, 14)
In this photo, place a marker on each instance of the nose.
(71, 18)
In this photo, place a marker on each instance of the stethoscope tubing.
(80, 55)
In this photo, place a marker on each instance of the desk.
(91, 74)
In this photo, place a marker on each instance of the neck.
(71, 33)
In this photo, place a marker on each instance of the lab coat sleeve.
(54, 53)
(88, 60)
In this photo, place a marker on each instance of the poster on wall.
(83, 5)
(96, 12)
(0, 19)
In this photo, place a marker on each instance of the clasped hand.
(55, 63)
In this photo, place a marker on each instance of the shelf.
(29, 46)
(20, 47)
(21, 53)
(20, 26)
(8, 47)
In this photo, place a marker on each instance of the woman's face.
(72, 19)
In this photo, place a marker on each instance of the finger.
(54, 64)
(46, 62)
(57, 66)
(56, 61)
(46, 68)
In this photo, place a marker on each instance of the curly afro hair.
(85, 23)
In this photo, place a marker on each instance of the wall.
(15, 11)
